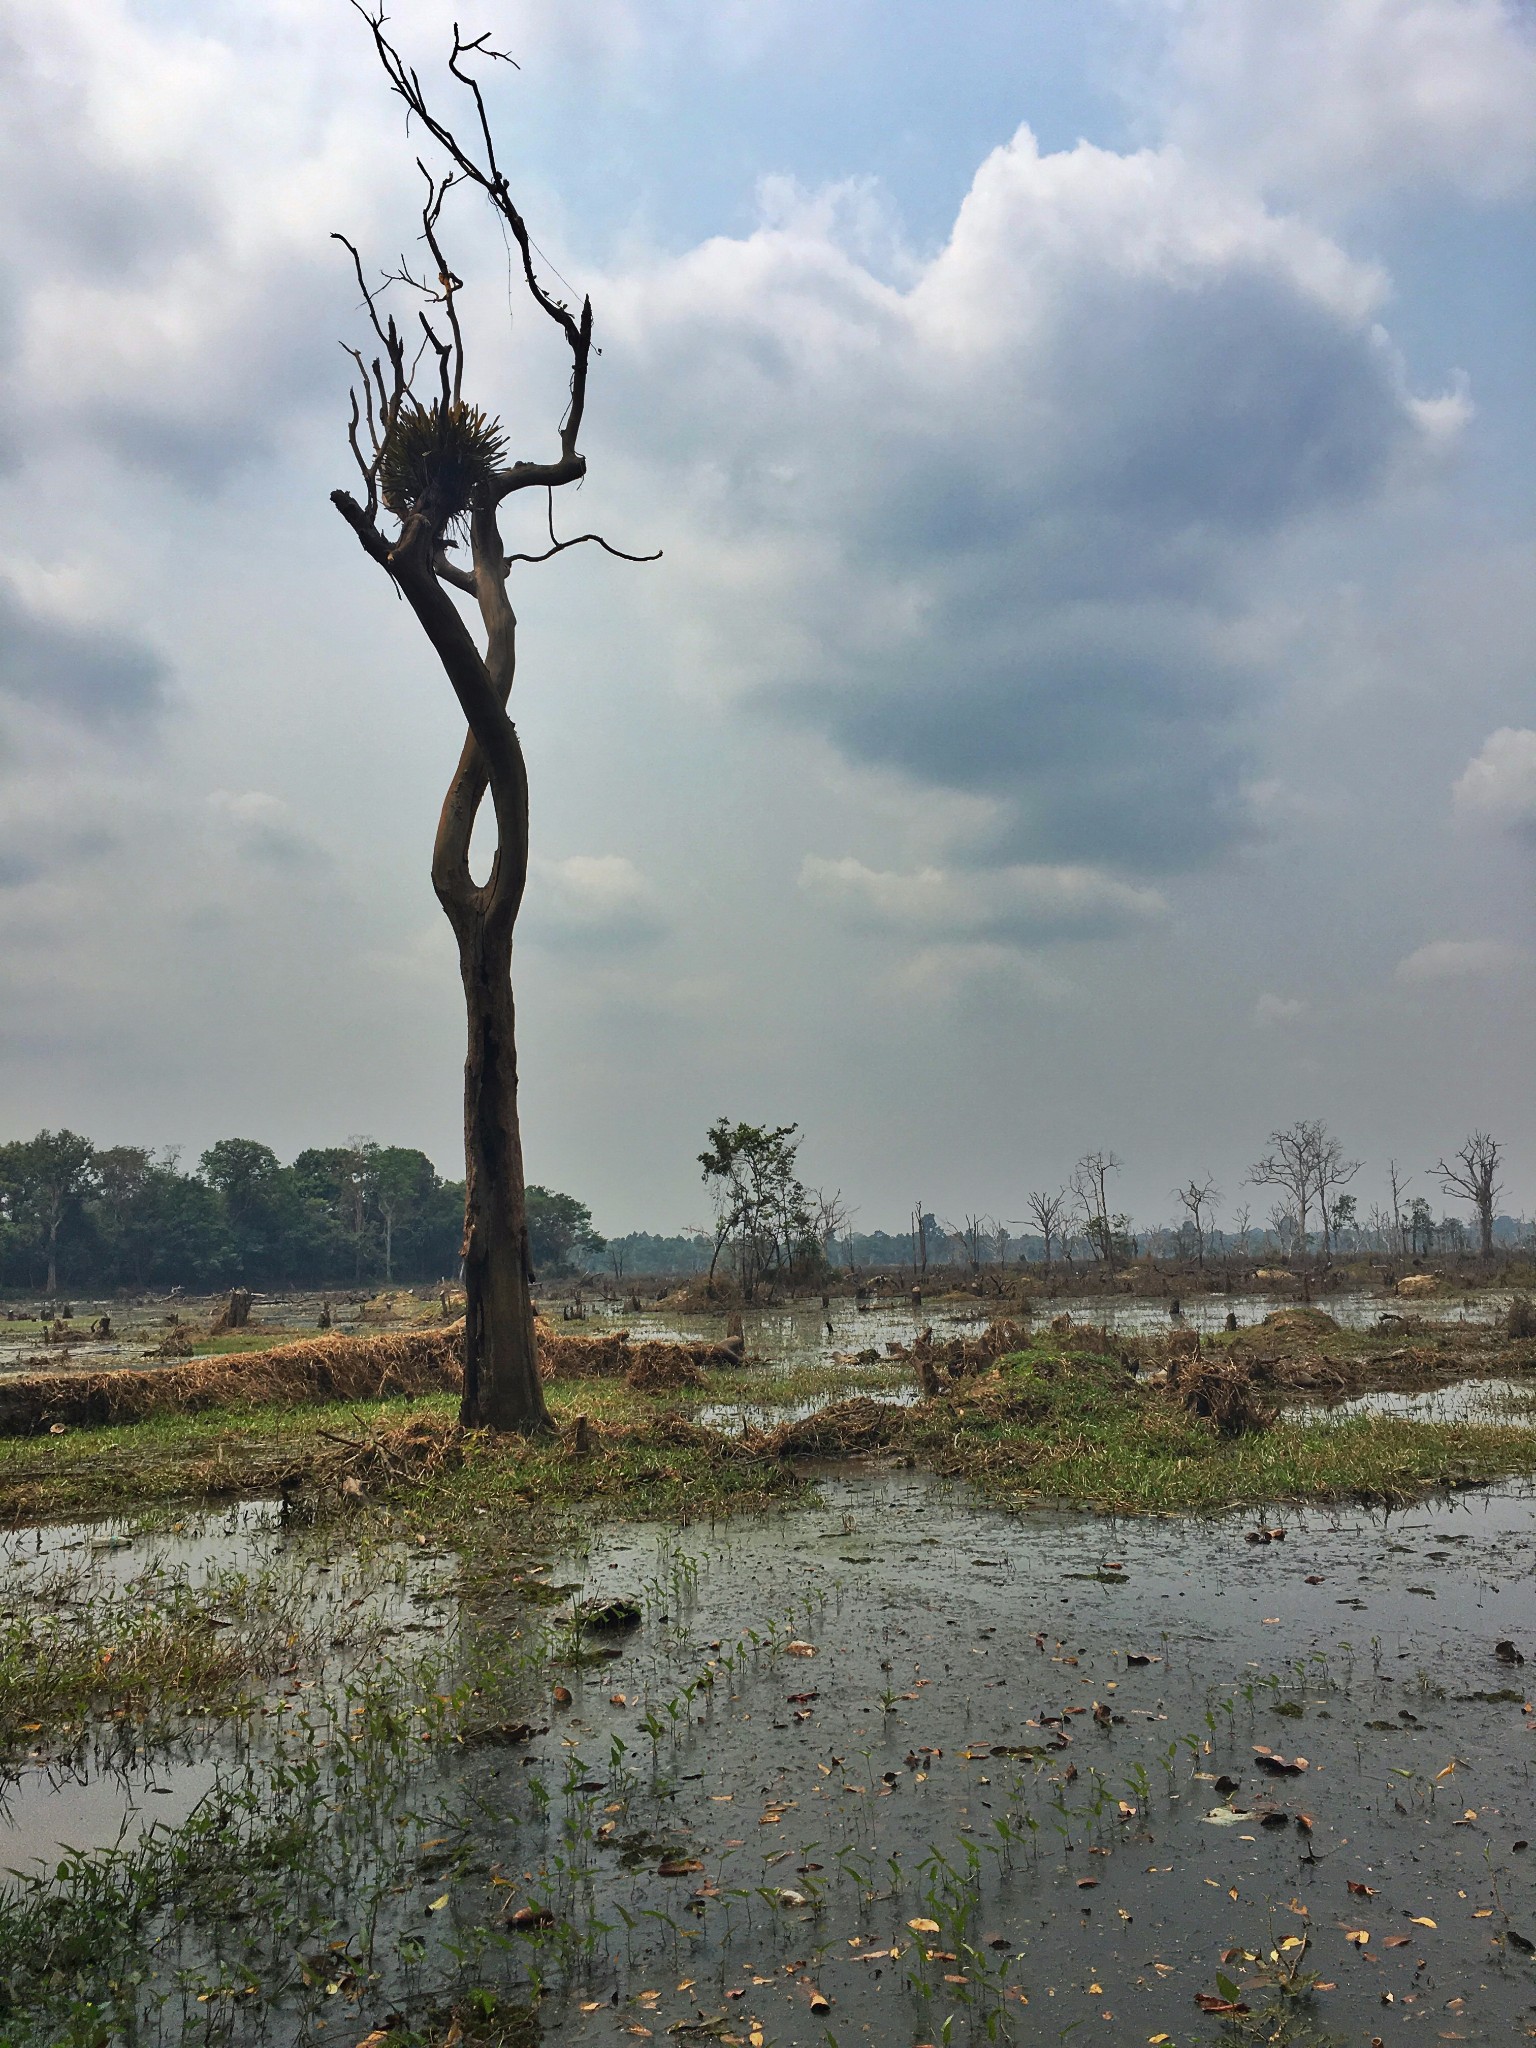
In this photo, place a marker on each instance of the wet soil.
(902, 1768)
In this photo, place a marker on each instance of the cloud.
(257, 824)
(1341, 100)
(991, 528)
(1271, 1010)
(81, 672)
(171, 289)
(1018, 905)
(592, 902)
(984, 971)
(1461, 960)
(1498, 785)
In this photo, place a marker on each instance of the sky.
(1087, 699)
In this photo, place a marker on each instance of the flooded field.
(892, 1767)
(800, 1333)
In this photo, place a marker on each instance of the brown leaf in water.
(1362, 1891)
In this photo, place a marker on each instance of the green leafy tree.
(560, 1233)
(762, 1208)
(43, 1183)
(403, 1185)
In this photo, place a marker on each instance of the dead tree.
(439, 468)
(1306, 1163)
(1474, 1176)
(1197, 1198)
(1047, 1210)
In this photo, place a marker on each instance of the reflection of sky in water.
(942, 1626)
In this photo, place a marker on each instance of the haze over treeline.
(82, 1217)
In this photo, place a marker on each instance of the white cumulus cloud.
(1498, 785)
(983, 526)
(1271, 1010)
(1022, 904)
(1343, 99)
(595, 902)
(1461, 960)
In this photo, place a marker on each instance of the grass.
(165, 1460)
(1051, 1422)
(1077, 1427)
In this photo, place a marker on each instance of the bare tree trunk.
(502, 1386)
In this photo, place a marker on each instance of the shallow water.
(866, 1781)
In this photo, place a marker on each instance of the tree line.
(125, 1217)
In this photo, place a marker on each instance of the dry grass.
(330, 1368)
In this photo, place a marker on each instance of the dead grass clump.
(939, 1365)
(1223, 1388)
(657, 1368)
(1418, 1286)
(1520, 1321)
(416, 1449)
(179, 1341)
(652, 1366)
(838, 1431)
(315, 1369)
(1314, 1320)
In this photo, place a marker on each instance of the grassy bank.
(1052, 1422)
(1075, 1427)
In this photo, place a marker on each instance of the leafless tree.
(1090, 1179)
(1474, 1175)
(832, 1219)
(1242, 1226)
(1197, 1198)
(440, 468)
(919, 1238)
(1399, 1221)
(1306, 1163)
(1047, 1210)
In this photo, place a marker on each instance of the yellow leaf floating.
(437, 1905)
(1422, 1920)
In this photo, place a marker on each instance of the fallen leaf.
(1358, 1935)
(437, 1905)
(1422, 1920)
(924, 1926)
(799, 1649)
(1362, 1891)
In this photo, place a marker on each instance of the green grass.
(1049, 1425)
(165, 1460)
(1079, 1428)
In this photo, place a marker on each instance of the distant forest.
(98, 1219)
(86, 1219)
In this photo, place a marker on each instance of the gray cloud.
(995, 530)
(77, 672)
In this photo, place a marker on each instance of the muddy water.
(798, 1335)
(109, 1785)
(912, 1737)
